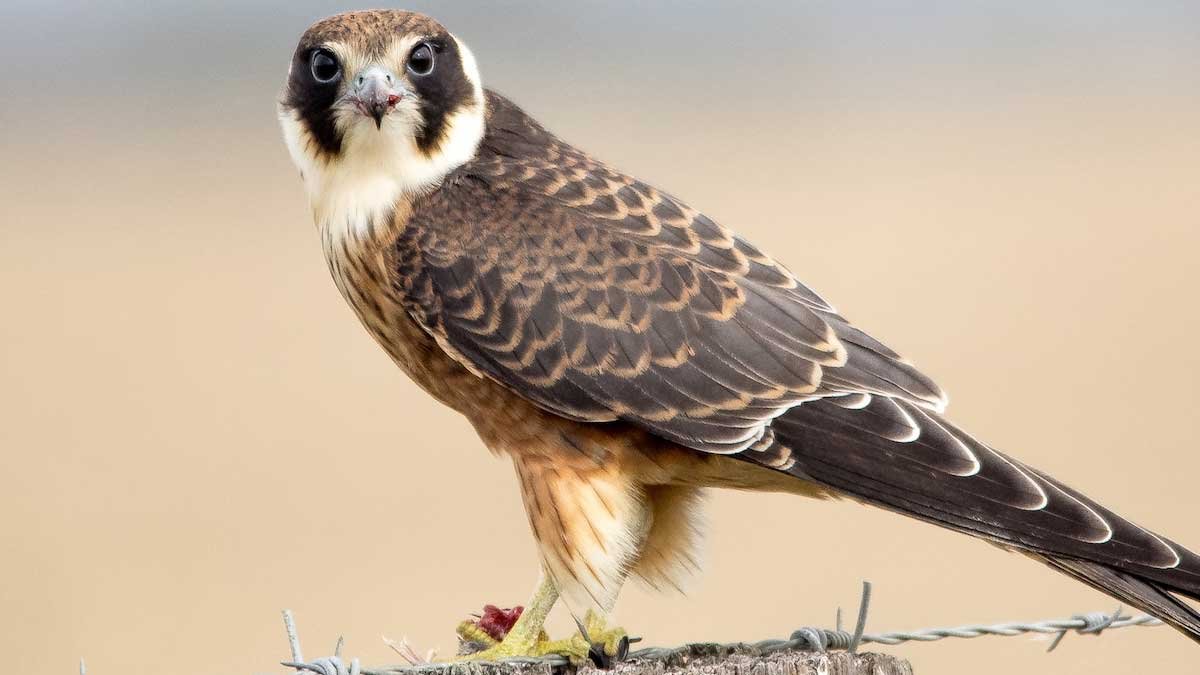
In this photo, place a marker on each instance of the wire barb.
(289, 624)
(864, 604)
(1050, 627)
(327, 666)
(1093, 623)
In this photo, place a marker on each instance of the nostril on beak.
(374, 77)
(376, 93)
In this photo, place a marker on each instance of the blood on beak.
(377, 93)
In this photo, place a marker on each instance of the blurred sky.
(195, 432)
(68, 62)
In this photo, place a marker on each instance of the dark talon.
(602, 659)
(623, 648)
(599, 657)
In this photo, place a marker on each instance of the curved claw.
(606, 646)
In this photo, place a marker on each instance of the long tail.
(896, 455)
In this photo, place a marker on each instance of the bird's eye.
(421, 61)
(325, 68)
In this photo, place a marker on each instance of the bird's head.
(378, 104)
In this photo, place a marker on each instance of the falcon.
(626, 351)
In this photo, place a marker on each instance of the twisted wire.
(802, 639)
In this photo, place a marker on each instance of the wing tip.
(1145, 594)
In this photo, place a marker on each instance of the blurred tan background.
(196, 433)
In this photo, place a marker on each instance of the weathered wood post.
(699, 659)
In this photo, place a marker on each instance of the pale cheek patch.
(470, 68)
(299, 144)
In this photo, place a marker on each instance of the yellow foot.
(494, 637)
(574, 649)
(499, 634)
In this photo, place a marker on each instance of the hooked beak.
(376, 93)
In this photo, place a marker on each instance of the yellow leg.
(526, 638)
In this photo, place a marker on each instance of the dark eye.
(325, 68)
(420, 62)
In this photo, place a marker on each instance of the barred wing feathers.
(600, 298)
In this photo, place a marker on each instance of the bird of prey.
(628, 352)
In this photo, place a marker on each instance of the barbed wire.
(803, 639)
